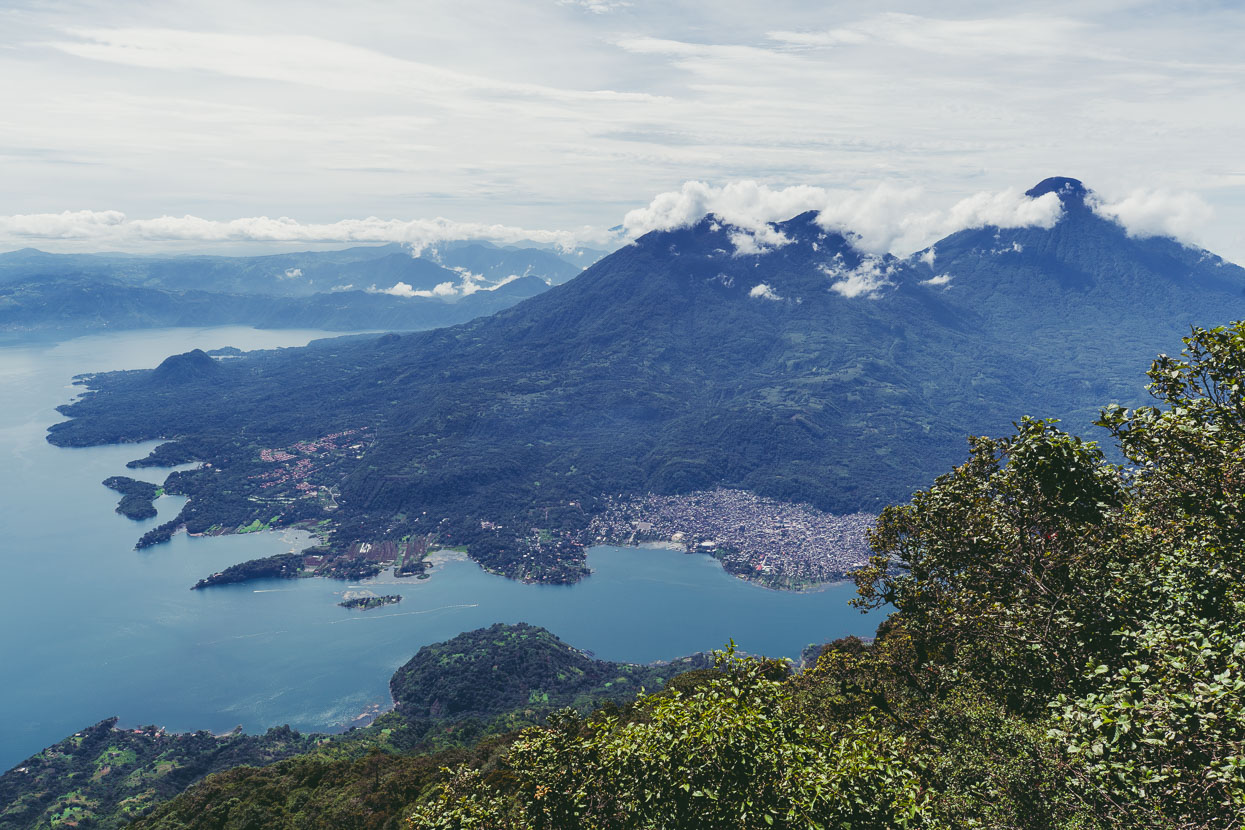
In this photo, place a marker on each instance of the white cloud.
(865, 280)
(69, 224)
(877, 220)
(883, 219)
(890, 219)
(468, 110)
(1014, 248)
(763, 291)
(442, 290)
(759, 241)
(291, 274)
(510, 279)
(302, 59)
(1033, 35)
(1006, 209)
(830, 38)
(746, 206)
(597, 6)
(400, 289)
(941, 279)
(469, 284)
(111, 227)
(1182, 216)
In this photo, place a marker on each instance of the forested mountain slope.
(1083, 291)
(808, 372)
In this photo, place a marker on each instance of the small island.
(367, 603)
(137, 497)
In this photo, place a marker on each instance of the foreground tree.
(730, 754)
(1103, 603)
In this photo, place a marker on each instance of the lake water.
(90, 628)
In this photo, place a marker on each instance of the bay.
(90, 628)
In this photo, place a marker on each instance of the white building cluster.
(774, 542)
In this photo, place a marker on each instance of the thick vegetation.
(1067, 650)
(279, 566)
(312, 793)
(137, 497)
(500, 678)
(104, 777)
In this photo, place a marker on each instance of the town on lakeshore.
(778, 544)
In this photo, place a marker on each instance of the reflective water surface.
(90, 628)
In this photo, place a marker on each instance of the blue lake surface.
(90, 628)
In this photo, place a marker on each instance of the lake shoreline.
(278, 652)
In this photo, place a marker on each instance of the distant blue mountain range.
(57, 295)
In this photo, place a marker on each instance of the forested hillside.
(500, 677)
(105, 776)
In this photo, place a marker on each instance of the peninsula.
(137, 497)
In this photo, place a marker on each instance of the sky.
(230, 126)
